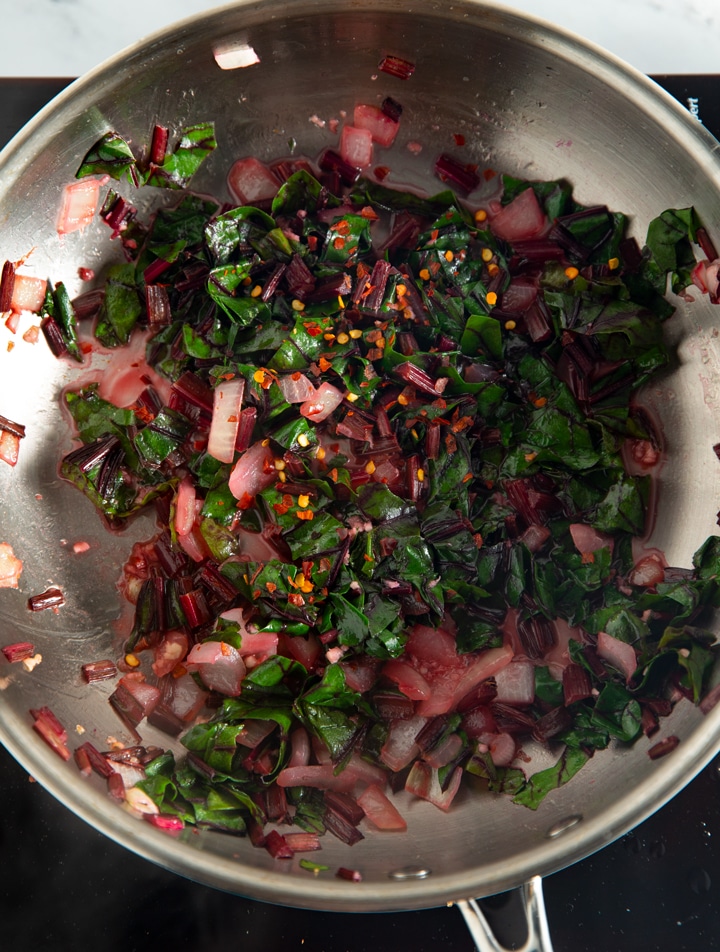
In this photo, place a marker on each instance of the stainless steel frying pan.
(528, 99)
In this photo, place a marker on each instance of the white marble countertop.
(69, 37)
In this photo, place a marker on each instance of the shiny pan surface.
(528, 99)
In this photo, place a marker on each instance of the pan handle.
(538, 939)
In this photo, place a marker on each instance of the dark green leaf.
(179, 167)
(111, 155)
(542, 783)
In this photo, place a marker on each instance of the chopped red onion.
(618, 653)
(227, 402)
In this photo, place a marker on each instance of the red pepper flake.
(396, 66)
(143, 414)
(324, 364)
(367, 211)
(489, 174)
(246, 501)
(256, 593)
(381, 172)
(306, 514)
(339, 243)
(313, 330)
(462, 424)
(296, 599)
(271, 587)
(459, 138)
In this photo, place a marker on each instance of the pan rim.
(670, 777)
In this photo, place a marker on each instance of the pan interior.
(528, 100)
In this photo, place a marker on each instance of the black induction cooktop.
(65, 887)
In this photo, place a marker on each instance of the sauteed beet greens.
(398, 468)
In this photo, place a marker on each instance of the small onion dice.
(322, 404)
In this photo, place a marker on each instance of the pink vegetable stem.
(7, 284)
(53, 335)
(158, 146)
(16, 429)
(157, 303)
(277, 847)
(99, 671)
(88, 753)
(50, 598)
(417, 377)
(51, 730)
(19, 651)
(448, 169)
(154, 270)
(663, 747)
(396, 66)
